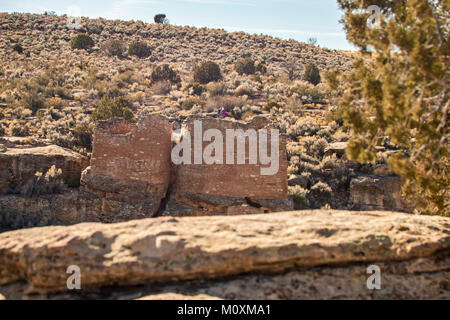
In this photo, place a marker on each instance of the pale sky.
(297, 19)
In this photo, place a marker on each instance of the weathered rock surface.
(378, 192)
(326, 252)
(18, 165)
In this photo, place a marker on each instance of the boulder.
(336, 148)
(322, 249)
(19, 164)
(378, 192)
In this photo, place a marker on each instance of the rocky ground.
(292, 255)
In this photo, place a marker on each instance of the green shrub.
(113, 107)
(164, 73)
(298, 195)
(312, 74)
(82, 41)
(83, 136)
(245, 66)
(139, 49)
(17, 48)
(115, 48)
(160, 18)
(207, 72)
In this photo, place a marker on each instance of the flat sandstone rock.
(168, 249)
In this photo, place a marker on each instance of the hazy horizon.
(284, 19)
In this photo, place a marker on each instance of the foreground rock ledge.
(176, 249)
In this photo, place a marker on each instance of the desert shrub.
(49, 183)
(113, 107)
(261, 67)
(114, 48)
(226, 102)
(164, 73)
(207, 72)
(190, 102)
(318, 148)
(18, 129)
(139, 49)
(291, 69)
(160, 18)
(93, 28)
(312, 41)
(303, 127)
(324, 133)
(33, 101)
(17, 48)
(298, 195)
(243, 90)
(312, 74)
(162, 87)
(216, 89)
(195, 89)
(82, 41)
(340, 136)
(319, 195)
(270, 105)
(245, 66)
(83, 136)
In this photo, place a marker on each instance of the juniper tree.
(398, 92)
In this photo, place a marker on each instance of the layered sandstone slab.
(18, 165)
(192, 248)
(130, 165)
(231, 188)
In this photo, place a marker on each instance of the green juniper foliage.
(398, 93)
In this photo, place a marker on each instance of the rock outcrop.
(18, 165)
(378, 192)
(326, 253)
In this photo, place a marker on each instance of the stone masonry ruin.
(131, 176)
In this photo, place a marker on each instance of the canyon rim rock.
(326, 254)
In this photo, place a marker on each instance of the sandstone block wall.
(203, 189)
(130, 165)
